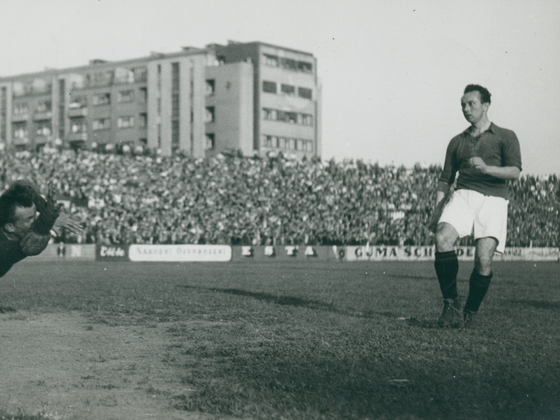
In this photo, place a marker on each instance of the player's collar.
(491, 128)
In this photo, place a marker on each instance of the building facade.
(249, 97)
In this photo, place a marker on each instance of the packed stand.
(127, 198)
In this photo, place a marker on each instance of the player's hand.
(66, 222)
(477, 163)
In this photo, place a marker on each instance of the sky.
(392, 71)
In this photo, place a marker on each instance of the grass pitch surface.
(326, 340)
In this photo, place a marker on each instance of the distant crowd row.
(259, 201)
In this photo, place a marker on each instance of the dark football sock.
(447, 266)
(477, 290)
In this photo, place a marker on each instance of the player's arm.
(501, 172)
(36, 240)
(442, 193)
(443, 188)
(511, 160)
(62, 220)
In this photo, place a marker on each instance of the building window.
(77, 102)
(126, 121)
(78, 126)
(174, 105)
(305, 93)
(269, 87)
(20, 132)
(43, 129)
(281, 142)
(175, 76)
(43, 106)
(309, 144)
(210, 87)
(101, 124)
(102, 99)
(143, 94)
(305, 67)
(289, 64)
(126, 96)
(175, 135)
(287, 117)
(143, 120)
(210, 114)
(270, 60)
(291, 144)
(269, 114)
(288, 89)
(21, 109)
(100, 78)
(210, 141)
(290, 117)
(270, 141)
(123, 75)
(140, 74)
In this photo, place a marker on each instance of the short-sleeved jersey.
(10, 253)
(496, 146)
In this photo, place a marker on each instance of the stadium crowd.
(128, 198)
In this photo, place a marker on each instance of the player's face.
(473, 109)
(24, 218)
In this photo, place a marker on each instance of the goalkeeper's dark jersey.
(10, 253)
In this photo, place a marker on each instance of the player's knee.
(483, 266)
(444, 240)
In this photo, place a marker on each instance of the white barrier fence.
(224, 253)
(427, 253)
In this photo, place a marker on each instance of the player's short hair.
(8, 203)
(485, 95)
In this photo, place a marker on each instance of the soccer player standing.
(485, 156)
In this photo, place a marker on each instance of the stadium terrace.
(260, 201)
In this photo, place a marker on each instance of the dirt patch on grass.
(66, 367)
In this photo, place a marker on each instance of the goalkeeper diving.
(26, 221)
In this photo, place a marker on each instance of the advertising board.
(180, 253)
(61, 251)
(285, 252)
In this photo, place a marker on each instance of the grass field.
(326, 340)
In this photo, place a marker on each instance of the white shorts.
(480, 216)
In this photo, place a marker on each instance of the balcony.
(45, 115)
(20, 117)
(80, 136)
(77, 112)
(17, 141)
(41, 139)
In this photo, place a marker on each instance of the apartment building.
(248, 97)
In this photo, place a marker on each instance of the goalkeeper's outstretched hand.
(64, 221)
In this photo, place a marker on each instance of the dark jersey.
(496, 146)
(10, 253)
